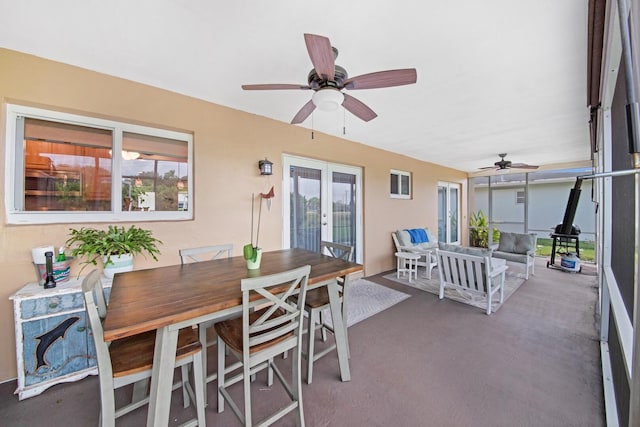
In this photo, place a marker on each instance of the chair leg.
(296, 383)
(311, 337)
(533, 265)
(140, 390)
(323, 330)
(202, 335)
(246, 380)
(270, 372)
(184, 370)
(221, 373)
(346, 332)
(108, 406)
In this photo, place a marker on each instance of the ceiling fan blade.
(358, 108)
(523, 166)
(304, 112)
(274, 87)
(381, 79)
(321, 54)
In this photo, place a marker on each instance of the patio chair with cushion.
(518, 247)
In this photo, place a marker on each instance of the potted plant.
(479, 230)
(116, 246)
(252, 252)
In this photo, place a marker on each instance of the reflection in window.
(154, 178)
(66, 168)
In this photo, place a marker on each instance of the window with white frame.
(400, 184)
(520, 196)
(62, 168)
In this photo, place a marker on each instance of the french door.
(322, 201)
(448, 212)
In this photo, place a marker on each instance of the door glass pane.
(453, 214)
(305, 206)
(442, 214)
(343, 190)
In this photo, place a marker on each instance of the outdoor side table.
(407, 263)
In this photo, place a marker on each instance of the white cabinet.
(53, 339)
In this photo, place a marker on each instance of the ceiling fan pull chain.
(344, 121)
(312, 125)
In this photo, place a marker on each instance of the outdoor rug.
(514, 277)
(365, 298)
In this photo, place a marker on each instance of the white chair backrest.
(336, 250)
(466, 271)
(395, 242)
(206, 253)
(93, 293)
(274, 289)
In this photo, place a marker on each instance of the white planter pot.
(118, 264)
(255, 265)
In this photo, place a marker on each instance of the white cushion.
(404, 238)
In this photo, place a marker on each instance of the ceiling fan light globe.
(327, 99)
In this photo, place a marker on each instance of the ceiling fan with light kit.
(328, 81)
(503, 165)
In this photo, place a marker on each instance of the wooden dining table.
(169, 298)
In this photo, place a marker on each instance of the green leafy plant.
(94, 244)
(479, 230)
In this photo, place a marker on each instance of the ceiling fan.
(328, 81)
(503, 164)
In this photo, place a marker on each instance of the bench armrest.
(498, 270)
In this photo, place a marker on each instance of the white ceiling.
(493, 76)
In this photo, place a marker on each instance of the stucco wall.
(227, 146)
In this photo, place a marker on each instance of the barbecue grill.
(564, 244)
(565, 235)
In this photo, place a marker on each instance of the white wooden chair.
(205, 253)
(471, 273)
(199, 254)
(270, 325)
(129, 360)
(317, 301)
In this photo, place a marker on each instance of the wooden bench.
(471, 273)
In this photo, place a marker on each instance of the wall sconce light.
(265, 167)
